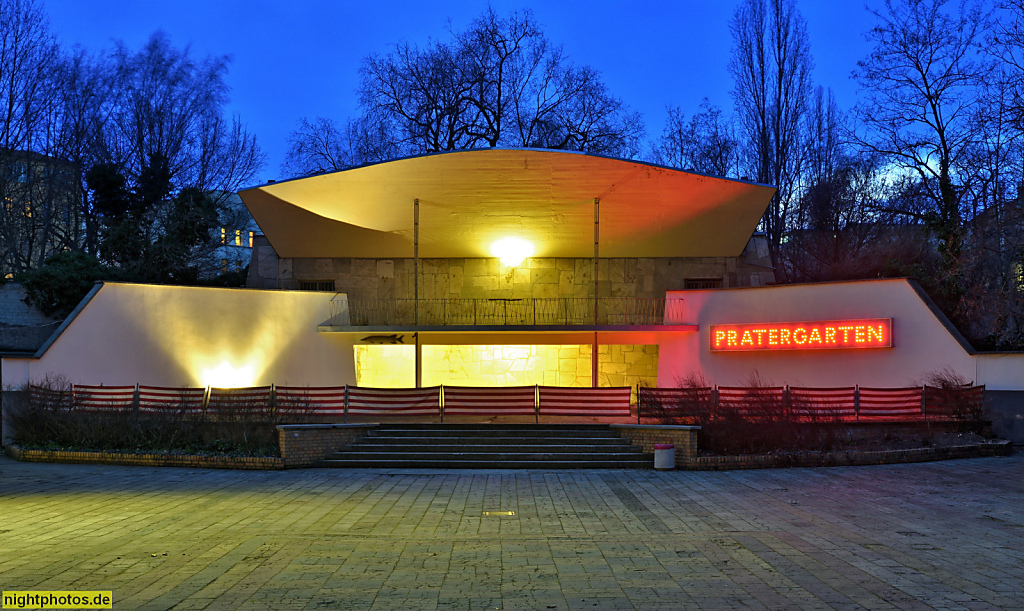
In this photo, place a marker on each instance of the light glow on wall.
(512, 251)
(819, 335)
(226, 375)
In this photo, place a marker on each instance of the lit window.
(223, 235)
(238, 237)
(250, 239)
(223, 266)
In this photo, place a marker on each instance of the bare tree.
(921, 85)
(498, 83)
(170, 106)
(705, 143)
(321, 145)
(771, 67)
(36, 215)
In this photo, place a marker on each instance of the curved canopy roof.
(469, 199)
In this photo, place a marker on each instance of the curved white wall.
(921, 343)
(173, 336)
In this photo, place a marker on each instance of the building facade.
(626, 274)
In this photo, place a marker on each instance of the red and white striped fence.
(238, 400)
(487, 401)
(309, 400)
(166, 400)
(805, 404)
(103, 399)
(364, 401)
(590, 402)
(843, 404)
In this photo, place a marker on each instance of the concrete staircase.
(492, 446)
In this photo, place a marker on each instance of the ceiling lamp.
(512, 251)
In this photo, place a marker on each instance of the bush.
(44, 417)
(760, 421)
(63, 281)
(949, 395)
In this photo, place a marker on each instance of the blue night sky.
(302, 57)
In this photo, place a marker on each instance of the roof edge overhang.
(502, 148)
(456, 204)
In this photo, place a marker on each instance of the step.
(484, 446)
(492, 447)
(493, 426)
(470, 455)
(451, 463)
(487, 432)
(494, 441)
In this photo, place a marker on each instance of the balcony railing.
(572, 311)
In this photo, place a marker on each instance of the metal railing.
(560, 311)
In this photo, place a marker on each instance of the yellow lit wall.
(195, 336)
(385, 366)
(506, 365)
(566, 365)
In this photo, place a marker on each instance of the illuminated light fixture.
(817, 335)
(226, 376)
(512, 251)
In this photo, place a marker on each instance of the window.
(223, 235)
(703, 283)
(316, 285)
(223, 266)
(238, 237)
(250, 238)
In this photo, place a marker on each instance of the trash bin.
(664, 456)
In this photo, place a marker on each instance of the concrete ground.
(946, 535)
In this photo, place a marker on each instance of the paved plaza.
(945, 535)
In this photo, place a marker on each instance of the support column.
(416, 287)
(597, 240)
(416, 260)
(419, 360)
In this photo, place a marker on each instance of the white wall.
(1001, 371)
(921, 344)
(170, 336)
(173, 336)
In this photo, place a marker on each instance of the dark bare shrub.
(950, 396)
(48, 420)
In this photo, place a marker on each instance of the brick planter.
(845, 459)
(645, 436)
(304, 444)
(146, 460)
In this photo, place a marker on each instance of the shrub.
(761, 420)
(63, 281)
(949, 395)
(43, 416)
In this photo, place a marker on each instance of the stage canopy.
(470, 199)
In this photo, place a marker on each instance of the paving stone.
(944, 535)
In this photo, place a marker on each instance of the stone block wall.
(488, 279)
(302, 445)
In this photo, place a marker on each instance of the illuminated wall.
(488, 279)
(921, 344)
(385, 366)
(192, 336)
(548, 365)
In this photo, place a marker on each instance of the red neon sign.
(820, 335)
